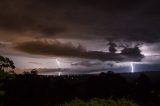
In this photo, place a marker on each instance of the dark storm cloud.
(30, 15)
(83, 19)
(89, 63)
(35, 63)
(2, 45)
(56, 48)
(86, 63)
(46, 47)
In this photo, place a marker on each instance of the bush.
(4, 76)
(100, 102)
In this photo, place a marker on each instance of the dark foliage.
(6, 64)
(36, 90)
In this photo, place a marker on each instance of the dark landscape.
(79, 52)
(36, 90)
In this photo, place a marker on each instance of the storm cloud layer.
(81, 19)
(34, 33)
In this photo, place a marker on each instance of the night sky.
(30, 30)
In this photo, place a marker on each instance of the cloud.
(2, 45)
(56, 48)
(35, 63)
(86, 63)
(46, 47)
(82, 19)
(19, 16)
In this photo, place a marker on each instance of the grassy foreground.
(100, 102)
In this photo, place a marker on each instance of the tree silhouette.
(34, 72)
(6, 64)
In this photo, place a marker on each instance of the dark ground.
(36, 90)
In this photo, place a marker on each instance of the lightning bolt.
(132, 67)
(59, 66)
(58, 63)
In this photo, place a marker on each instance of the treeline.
(36, 90)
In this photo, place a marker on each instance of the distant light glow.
(132, 67)
(147, 51)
